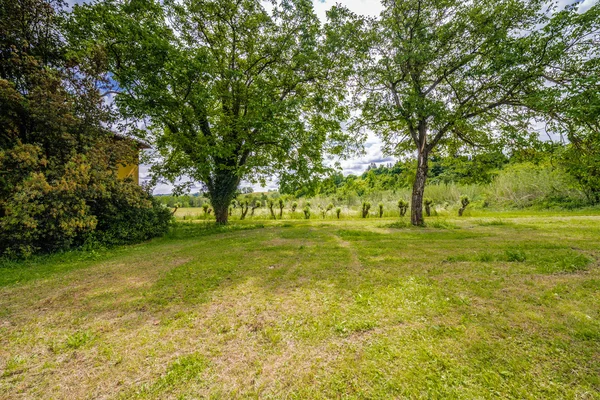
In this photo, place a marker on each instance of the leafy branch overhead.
(460, 73)
(228, 89)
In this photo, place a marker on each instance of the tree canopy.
(228, 89)
(449, 72)
(58, 160)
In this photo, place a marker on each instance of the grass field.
(490, 306)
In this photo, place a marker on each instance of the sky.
(372, 146)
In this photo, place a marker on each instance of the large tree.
(228, 90)
(59, 185)
(441, 71)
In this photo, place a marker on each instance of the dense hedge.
(44, 211)
(58, 161)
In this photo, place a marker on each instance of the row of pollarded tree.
(232, 91)
(276, 208)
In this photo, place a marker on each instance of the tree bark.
(221, 190)
(416, 207)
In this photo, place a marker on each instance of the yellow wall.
(130, 170)
(127, 171)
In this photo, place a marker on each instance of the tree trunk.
(222, 191)
(416, 207)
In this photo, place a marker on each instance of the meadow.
(492, 305)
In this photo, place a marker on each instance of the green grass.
(498, 305)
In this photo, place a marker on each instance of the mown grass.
(494, 306)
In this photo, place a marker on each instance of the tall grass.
(524, 185)
(516, 186)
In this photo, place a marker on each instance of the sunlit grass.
(500, 305)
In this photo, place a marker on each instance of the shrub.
(306, 212)
(380, 210)
(42, 216)
(338, 211)
(403, 207)
(281, 205)
(464, 202)
(254, 204)
(581, 160)
(428, 203)
(366, 206)
(244, 205)
(527, 184)
(58, 162)
(294, 206)
(271, 204)
(130, 215)
(87, 203)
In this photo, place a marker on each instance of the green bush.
(129, 215)
(38, 214)
(84, 202)
(428, 203)
(402, 207)
(464, 202)
(306, 212)
(366, 206)
(58, 163)
(581, 160)
(271, 205)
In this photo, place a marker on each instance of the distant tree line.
(473, 169)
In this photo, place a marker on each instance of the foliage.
(428, 203)
(38, 215)
(366, 206)
(581, 160)
(58, 179)
(527, 184)
(306, 211)
(455, 74)
(403, 207)
(271, 204)
(193, 200)
(129, 214)
(254, 204)
(230, 90)
(464, 202)
(244, 205)
(478, 168)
